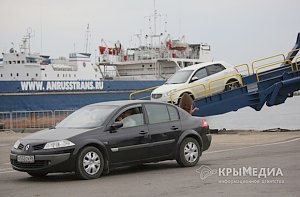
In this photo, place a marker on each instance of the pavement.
(247, 163)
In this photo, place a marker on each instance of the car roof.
(124, 102)
(201, 65)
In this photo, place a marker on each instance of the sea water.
(284, 116)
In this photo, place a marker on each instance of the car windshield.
(179, 77)
(87, 117)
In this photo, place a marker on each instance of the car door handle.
(143, 132)
(174, 128)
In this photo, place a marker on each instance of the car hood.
(55, 134)
(165, 88)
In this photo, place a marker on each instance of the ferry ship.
(32, 82)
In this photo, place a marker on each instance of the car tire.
(89, 163)
(37, 174)
(232, 84)
(189, 152)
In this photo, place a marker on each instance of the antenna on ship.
(87, 38)
(29, 36)
(26, 41)
(154, 32)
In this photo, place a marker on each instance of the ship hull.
(13, 96)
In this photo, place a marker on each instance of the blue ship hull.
(14, 96)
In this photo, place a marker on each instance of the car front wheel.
(90, 163)
(189, 152)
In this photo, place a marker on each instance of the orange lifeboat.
(176, 45)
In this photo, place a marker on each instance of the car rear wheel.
(232, 84)
(38, 174)
(90, 163)
(189, 152)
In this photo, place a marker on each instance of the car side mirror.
(194, 79)
(116, 125)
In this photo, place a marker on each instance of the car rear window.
(213, 69)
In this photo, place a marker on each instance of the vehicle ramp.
(269, 83)
(271, 92)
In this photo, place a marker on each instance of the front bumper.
(45, 163)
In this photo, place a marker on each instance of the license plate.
(25, 158)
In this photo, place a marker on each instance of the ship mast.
(154, 34)
(26, 41)
(87, 38)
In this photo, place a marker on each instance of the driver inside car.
(126, 118)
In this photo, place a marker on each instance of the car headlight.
(58, 144)
(16, 145)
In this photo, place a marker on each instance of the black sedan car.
(100, 137)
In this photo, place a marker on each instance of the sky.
(239, 31)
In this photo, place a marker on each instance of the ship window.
(23, 61)
(27, 74)
(9, 62)
(17, 74)
(11, 74)
(69, 75)
(143, 66)
(74, 75)
(1, 75)
(150, 65)
(14, 62)
(36, 74)
(57, 75)
(19, 62)
(45, 75)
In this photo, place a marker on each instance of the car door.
(200, 83)
(216, 74)
(129, 143)
(164, 128)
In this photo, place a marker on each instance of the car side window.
(200, 74)
(157, 113)
(215, 68)
(131, 117)
(173, 113)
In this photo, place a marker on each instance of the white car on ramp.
(199, 80)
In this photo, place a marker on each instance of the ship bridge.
(269, 81)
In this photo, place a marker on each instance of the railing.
(223, 78)
(296, 66)
(172, 93)
(142, 91)
(258, 74)
(267, 58)
(241, 65)
(31, 120)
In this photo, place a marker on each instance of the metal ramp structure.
(270, 83)
(267, 81)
